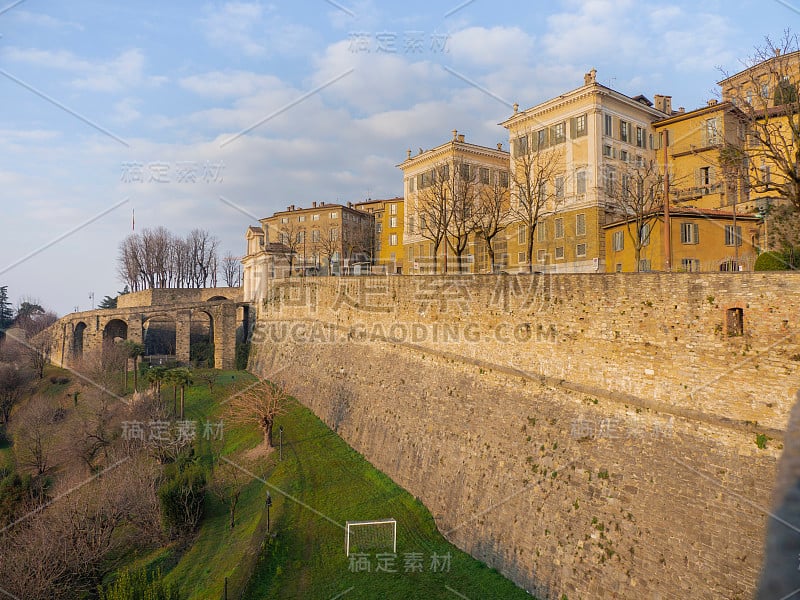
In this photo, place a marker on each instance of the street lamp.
(268, 504)
(280, 442)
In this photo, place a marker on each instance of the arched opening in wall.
(159, 336)
(114, 331)
(77, 339)
(216, 298)
(734, 322)
(201, 340)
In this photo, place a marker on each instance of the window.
(640, 137)
(465, 171)
(557, 133)
(639, 161)
(334, 234)
(580, 182)
(334, 215)
(609, 181)
(284, 238)
(392, 221)
(411, 224)
(521, 145)
(393, 209)
(733, 238)
(378, 227)
(541, 231)
(423, 224)
(578, 126)
(541, 139)
(580, 224)
(618, 268)
(734, 321)
(624, 130)
(541, 255)
(542, 192)
(766, 175)
(644, 235)
(765, 90)
(704, 176)
(580, 250)
(302, 218)
(301, 237)
(644, 265)
(607, 126)
(393, 239)
(559, 252)
(315, 235)
(522, 230)
(484, 173)
(623, 155)
(521, 258)
(559, 228)
(690, 265)
(690, 233)
(315, 217)
(607, 150)
(711, 132)
(504, 179)
(749, 97)
(411, 181)
(618, 241)
(559, 187)
(284, 220)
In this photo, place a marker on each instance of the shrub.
(242, 355)
(181, 500)
(138, 585)
(771, 261)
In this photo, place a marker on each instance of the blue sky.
(210, 115)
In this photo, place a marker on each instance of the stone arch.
(115, 329)
(78, 331)
(217, 299)
(159, 335)
(202, 350)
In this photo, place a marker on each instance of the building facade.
(443, 187)
(575, 150)
(389, 217)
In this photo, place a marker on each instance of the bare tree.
(230, 270)
(533, 174)
(768, 97)
(293, 238)
(359, 237)
(228, 485)
(13, 385)
(637, 198)
(462, 194)
(492, 214)
(33, 435)
(433, 202)
(328, 245)
(260, 405)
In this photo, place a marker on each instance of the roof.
(365, 202)
(681, 116)
(690, 212)
(257, 230)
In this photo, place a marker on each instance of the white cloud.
(44, 20)
(230, 84)
(492, 47)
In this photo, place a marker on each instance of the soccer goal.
(363, 536)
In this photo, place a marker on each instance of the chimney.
(712, 102)
(289, 208)
(408, 154)
(658, 102)
(460, 137)
(455, 134)
(681, 110)
(313, 205)
(590, 77)
(349, 205)
(668, 104)
(499, 145)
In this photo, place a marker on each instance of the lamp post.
(268, 504)
(280, 442)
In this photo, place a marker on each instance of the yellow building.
(587, 138)
(767, 94)
(389, 215)
(442, 187)
(701, 240)
(703, 152)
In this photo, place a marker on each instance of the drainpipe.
(667, 225)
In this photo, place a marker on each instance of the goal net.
(367, 536)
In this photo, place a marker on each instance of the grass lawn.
(320, 484)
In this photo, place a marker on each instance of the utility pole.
(667, 224)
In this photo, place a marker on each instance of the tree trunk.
(183, 398)
(490, 251)
(530, 248)
(268, 433)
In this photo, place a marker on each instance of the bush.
(242, 356)
(771, 261)
(181, 499)
(137, 585)
(202, 354)
(59, 380)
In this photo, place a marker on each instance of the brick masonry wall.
(587, 435)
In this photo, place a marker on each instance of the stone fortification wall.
(588, 435)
